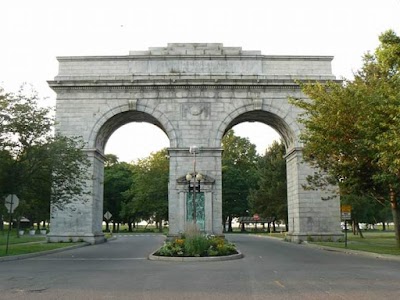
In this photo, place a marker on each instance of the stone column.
(81, 219)
(208, 163)
(311, 214)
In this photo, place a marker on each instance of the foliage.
(364, 209)
(239, 161)
(111, 159)
(147, 198)
(68, 166)
(269, 199)
(118, 178)
(351, 128)
(35, 164)
(23, 123)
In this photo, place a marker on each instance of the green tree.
(239, 161)
(37, 165)
(111, 159)
(269, 199)
(351, 128)
(148, 196)
(68, 166)
(118, 178)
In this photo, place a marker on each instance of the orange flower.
(180, 242)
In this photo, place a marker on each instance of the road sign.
(107, 215)
(11, 202)
(346, 212)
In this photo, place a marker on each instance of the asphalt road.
(271, 269)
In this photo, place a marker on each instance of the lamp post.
(197, 177)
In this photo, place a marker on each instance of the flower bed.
(197, 245)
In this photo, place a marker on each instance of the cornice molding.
(160, 86)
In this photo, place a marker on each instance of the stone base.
(314, 237)
(238, 255)
(74, 238)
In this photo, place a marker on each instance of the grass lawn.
(382, 242)
(26, 244)
(373, 241)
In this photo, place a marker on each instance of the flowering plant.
(197, 245)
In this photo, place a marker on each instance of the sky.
(34, 33)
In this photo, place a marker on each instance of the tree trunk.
(230, 223)
(130, 226)
(160, 226)
(242, 229)
(1, 223)
(359, 230)
(383, 226)
(353, 227)
(107, 227)
(18, 225)
(395, 213)
(224, 220)
(274, 226)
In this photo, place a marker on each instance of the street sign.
(107, 215)
(11, 202)
(345, 212)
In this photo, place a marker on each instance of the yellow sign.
(345, 208)
(346, 212)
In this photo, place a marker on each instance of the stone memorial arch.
(195, 93)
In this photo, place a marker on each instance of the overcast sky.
(34, 33)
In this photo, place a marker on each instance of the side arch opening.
(121, 119)
(254, 181)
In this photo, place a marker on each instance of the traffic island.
(194, 246)
(154, 256)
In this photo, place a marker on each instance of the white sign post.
(346, 216)
(11, 204)
(108, 216)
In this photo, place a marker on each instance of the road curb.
(238, 255)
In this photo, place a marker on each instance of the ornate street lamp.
(195, 186)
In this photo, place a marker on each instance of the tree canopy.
(147, 197)
(36, 164)
(118, 178)
(269, 198)
(351, 127)
(239, 161)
